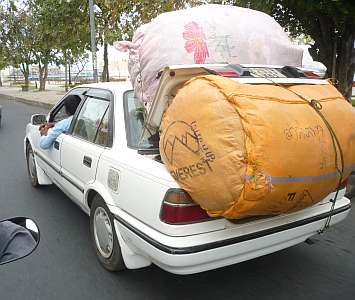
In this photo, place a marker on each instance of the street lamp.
(93, 40)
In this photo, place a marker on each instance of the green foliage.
(61, 27)
(330, 24)
(16, 35)
(117, 20)
(4, 62)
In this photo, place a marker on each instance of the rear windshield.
(135, 115)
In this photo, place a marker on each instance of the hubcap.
(31, 164)
(103, 232)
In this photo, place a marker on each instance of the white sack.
(205, 34)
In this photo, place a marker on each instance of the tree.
(3, 63)
(62, 32)
(80, 64)
(3, 60)
(17, 36)
(330, 24)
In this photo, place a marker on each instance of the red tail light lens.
(178, 208)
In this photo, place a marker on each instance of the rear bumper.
(193, 254)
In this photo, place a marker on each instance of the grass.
(353, 100)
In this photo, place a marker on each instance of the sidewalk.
(45, 98)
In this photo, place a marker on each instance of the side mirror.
(19, 237)
(38, 119)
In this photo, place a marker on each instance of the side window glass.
(89, 118)
(102, 132)
(135, 115)
(60, 115)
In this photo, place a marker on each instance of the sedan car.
(109, 164)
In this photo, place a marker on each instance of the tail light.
(178, 208)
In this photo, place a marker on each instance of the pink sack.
(201, 35)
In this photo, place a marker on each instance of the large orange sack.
(242, 150)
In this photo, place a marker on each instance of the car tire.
(31, 166)
(103, 236)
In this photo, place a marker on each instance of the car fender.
(130, 255)
(42, 177)
(100, 189)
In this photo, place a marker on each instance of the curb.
(28, 101)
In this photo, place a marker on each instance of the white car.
(109, 164)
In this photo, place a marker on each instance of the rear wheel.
(103, 236)
(31, 166)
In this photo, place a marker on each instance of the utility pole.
(93, 40)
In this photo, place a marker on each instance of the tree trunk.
(43, 74)
(0, 80)
(27, 75)
(66, 70)
(335, 50)
(345, 65)
(69, 73)
(105, 75)
(25, 70)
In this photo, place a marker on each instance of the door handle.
(87, 161)
(56, 145)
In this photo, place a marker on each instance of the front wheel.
(103, 236)
(31, 166)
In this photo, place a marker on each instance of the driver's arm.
(60, 127)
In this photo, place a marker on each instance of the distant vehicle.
(110, 166)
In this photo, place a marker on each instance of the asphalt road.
(65, 267)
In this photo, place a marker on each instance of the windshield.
(135, 115)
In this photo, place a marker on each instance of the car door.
(87, 139)
(50, 158)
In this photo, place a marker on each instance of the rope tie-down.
(317, 106)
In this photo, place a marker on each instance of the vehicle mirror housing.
(38, 119)
(19, 237)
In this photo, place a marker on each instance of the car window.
(89, 118)
(102, 132)
(135, 115)
(60, 115)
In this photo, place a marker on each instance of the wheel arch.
(97, 189)
(131, 259)
(42, 177)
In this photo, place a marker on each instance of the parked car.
(109, 164)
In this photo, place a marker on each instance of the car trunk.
(171, 79)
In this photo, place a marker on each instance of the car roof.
(112, 86)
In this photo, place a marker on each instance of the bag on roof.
(205, 34)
